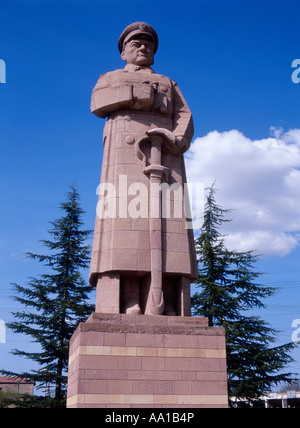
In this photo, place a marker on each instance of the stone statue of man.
(143, 257)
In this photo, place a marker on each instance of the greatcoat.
(134, 100)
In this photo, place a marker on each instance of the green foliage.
(10, 399)
(228, 288)
(58, 299)
(7, 398)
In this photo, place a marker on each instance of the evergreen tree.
(59, 299)
(228, 287)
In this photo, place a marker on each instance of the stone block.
(119, 360)
(108, 293)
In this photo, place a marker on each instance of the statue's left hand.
(170, 141)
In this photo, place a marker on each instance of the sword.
(155, 301)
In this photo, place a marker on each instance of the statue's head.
(138, 44)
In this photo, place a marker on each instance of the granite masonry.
(141, 347)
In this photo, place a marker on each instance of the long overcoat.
(134, 100)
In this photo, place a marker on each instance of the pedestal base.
(119, 360)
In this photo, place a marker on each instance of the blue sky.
(232, 61)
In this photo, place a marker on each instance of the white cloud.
(259, 180)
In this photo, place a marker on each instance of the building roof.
(13, 379)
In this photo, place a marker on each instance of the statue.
(143, 256)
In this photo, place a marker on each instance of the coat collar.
(133, 67)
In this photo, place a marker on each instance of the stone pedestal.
(120, 360)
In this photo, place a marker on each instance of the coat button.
(129, 139)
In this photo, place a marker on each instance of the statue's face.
(139, 52)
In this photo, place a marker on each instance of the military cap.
(138, 28)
